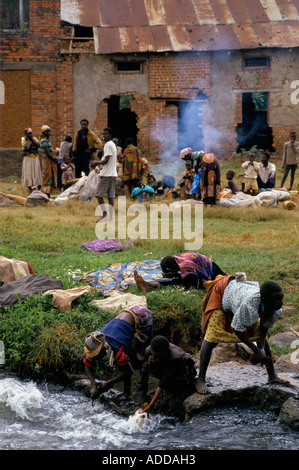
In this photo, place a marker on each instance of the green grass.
(39, 340)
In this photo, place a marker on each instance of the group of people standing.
(86, 152)
(200, 180)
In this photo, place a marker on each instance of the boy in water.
(172, 366)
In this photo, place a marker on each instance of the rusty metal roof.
(122, 26)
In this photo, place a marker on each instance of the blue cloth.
(120, 276)
(118, 333)
(168, 181)
(195, 187)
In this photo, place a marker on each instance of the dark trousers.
(82, 164)
(286, 172)
(268, 184)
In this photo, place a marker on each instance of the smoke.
(185, 125)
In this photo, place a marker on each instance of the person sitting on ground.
(186, 180)
(231, 184)
(251, 170)
(235, 310)
(147, 177)
(172, 366)
(266, 173)
(124, 339)
(189, 269)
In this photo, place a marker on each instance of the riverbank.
(41, 341)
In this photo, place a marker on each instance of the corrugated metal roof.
(185, 25)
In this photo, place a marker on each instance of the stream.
(49, 417)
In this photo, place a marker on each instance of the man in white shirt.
(266, 173)
(108, 173)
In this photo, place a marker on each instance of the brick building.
(211, 74)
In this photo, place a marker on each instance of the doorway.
(121, 119)
(190, 124)
(254, 129)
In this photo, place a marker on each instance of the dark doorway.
(254, 129)
(121, 119)
(190, 124)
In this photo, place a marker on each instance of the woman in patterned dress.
(49, 162)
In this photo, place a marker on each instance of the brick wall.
(37, 52)
(173, 76)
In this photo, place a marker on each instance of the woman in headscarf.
(210, 179)
(31, 169)
(49, 161)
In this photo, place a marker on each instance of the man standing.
(290, 159)
(86, 143)
(266, 173)
(108, 174)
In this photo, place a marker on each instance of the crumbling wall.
(229, 79)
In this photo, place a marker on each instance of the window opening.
(83, 32)
(128, 66)
(254, 129)
(121, 119)
(256, 62)
(14, 14)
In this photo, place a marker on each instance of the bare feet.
(143, 285)
(278, 380)
(202, 389)
(140, 282)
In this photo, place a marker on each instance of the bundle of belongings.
(73, 192)
(19, 281)
(13, 269)
(14, 292)
(106, 246)
(267, 198)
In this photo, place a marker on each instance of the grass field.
(263, 242)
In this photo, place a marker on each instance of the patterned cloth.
(120, 276)
(213, 298)
(216, 333)
(49, 167)
(210, 179)
(132, 163)
(243, 300)
(195, 263)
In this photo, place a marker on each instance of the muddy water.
(47, 417)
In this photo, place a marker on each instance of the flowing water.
(48, 417)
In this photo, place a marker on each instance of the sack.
(91, 185)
